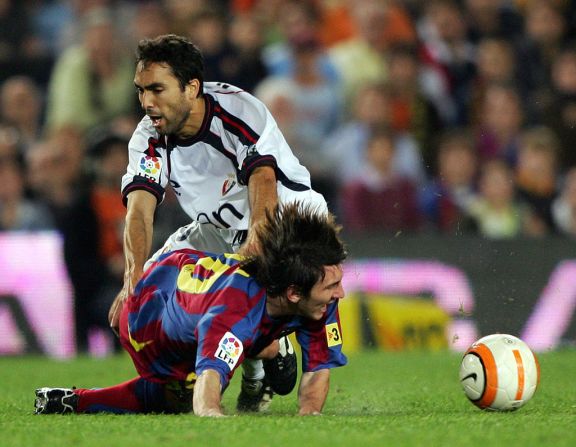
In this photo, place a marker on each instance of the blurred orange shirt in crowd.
(110, 212)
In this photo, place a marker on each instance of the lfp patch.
(333, 335)
(229, 350)
(150, 165)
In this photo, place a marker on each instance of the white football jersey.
(209, 172)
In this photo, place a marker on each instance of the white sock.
(253, 369)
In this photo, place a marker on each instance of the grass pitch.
(379, 399)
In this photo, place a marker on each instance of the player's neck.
(195, 119)
(279, 306)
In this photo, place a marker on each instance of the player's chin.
(317, 315)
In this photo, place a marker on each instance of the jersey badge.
(333, 335)
(150, 165)
(229, 350)
(228, 184)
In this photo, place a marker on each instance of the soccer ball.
(499, 372)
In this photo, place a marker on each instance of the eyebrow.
(149, 86)
(334, 283)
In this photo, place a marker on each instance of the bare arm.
(263, 195)
(137, 245)
(313, 391)
(207, 394)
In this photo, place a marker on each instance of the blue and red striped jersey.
(193, 311)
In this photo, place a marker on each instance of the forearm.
(137, 241)
(262, 193)
(137, 245)
(313, 391)
(207, 394)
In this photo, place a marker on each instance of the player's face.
(162, 98)
(324, 292)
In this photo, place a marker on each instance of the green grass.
(379, 399)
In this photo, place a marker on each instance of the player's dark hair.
(296, 241)
(182, 56)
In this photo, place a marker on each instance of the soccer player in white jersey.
(221, 151)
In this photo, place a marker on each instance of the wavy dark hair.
(296, 241)
(180, 54)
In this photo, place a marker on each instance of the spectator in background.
(299, 22)
(267, 12)
(338, 23)
(344, 149)
(89, 214)
(495, 213)
(560, 113)
(17, 212)
(545, 35)
(287, 102)
(10, 147)
(99, 207)
(412, 111)
(447, 197)
(50, 21)
(380, 199)
(181, 11)
(66, 24)
(366, 49)
(492, 18)
(497, 134)
(246, 36)
(209, 30)
(495, 64)
(108, 159)
(447, 57)
(21, 51)
(55, 170)
(92, 83)
(537, 173)
(223, 60)
(317, 98)
(56, 178)
(21, 105)
(564, 206)
(149, 19)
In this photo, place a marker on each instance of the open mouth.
(156, 119)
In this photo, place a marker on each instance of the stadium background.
(495, 77)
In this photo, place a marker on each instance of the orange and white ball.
(499, 372)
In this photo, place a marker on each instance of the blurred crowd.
(432, 116)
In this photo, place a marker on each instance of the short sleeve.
(218, 347)
(147, 165)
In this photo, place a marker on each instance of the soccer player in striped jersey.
(195, 316)
(222, 153)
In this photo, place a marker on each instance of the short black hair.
(180, 54)
(296, 242)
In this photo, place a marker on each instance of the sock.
(253, 369)
(135, 396)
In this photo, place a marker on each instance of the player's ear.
(193, 88)
(293, 295)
